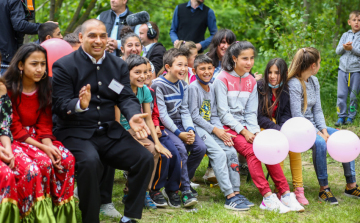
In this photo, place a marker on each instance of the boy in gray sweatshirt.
(222, 155)
(172, 99)
(349, 70)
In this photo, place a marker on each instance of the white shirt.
(115, 29)
(147, 48)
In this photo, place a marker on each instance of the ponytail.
(185, 47)
(303, 59)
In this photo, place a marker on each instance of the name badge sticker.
(116, 86)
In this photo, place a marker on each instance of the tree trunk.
(52, 10)
(307, 11)
(86, 14)
(75, 17)
(338, 24)
(58, 6)
(75, 21)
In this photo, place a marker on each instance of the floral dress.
(20, 188)
(57, 185)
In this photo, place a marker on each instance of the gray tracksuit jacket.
(349, 60)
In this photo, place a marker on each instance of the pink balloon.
(271, 146)
(55, 48)
(343, 146)
(300, 133)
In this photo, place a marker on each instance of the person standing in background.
(190, 21)
(13, 22)
(114, 20)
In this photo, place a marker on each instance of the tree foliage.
(276, 28)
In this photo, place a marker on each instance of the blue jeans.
(319, 159)
(168, 172)
(191, 155)
(3, 69)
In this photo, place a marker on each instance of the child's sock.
(285, 195)
(125, 219)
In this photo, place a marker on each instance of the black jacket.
(108, 18)
(12, 22)
(155, 55)
(282, 114)
(70, 74)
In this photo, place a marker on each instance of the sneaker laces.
(175, 196)
(328, 193)
(238, 200)
(156, 193)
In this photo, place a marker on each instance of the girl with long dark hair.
(218, 46)
(274, 111)
(30, 91)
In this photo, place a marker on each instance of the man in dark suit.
(87, 84)
(153, 50)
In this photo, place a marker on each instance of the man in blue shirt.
(190, 21)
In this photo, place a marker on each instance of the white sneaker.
(273, 204)
(292, 203)
(109, 210)
(76, 195)
(210, 175)
(194, 185)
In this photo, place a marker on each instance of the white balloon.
(343, 146)
(271, 146)
(300, 133)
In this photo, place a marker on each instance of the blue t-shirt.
(144, 96)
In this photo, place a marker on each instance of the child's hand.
(162, 150)
(54, 154)
(7, 156)
(222, 134)
(2, 89)
(248, 135)
(257, 76)
(348, 46)
(158, 131)
(322, 135)
(229, 143)
(192, 138)
(186, 137)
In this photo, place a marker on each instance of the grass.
(211, 200)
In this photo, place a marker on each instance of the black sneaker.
(188, 198)
(194, 192)
(244, 169)
(355, 192)
(130, 221)
(327, 196)
(245, 200)
(158, 198)
(173, 198)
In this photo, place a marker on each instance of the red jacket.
(155, 112)
(26, 114)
